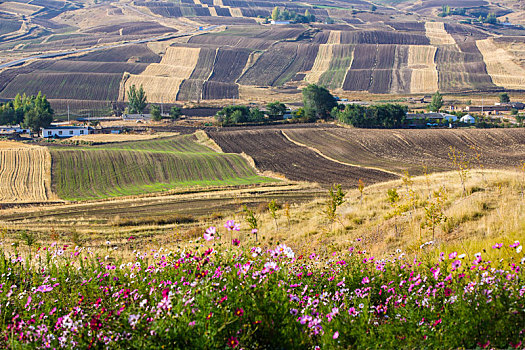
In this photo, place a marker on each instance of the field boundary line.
(335, 160)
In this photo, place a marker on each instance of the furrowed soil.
(272, 151)
(400, 150)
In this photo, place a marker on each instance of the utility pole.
(68, 112)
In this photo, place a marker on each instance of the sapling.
(252, 220)
(393, 199)
(273, 207)
(361, 188)
(435, 211)
(461, 163)
(335, 199)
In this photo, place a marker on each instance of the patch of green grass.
(134, 168)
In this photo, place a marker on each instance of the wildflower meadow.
(220, 293)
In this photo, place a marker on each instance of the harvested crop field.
(501, 65)
(24, 173)
(399, 150)
(132, 168)
(272, 151)
(161, 81)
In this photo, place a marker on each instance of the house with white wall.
(65, 131)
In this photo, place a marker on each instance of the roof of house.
(66, 127)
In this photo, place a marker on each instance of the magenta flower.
(515, 244)
(336, 335)
(254, 231)
(365, 280)
(453, 255)
(233, 342)
(497, 246)
(232, 226)
(239, 312)
(236, 242)
(210, 233)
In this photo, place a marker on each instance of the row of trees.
(32, 112)
(379, 116)
(285, 15)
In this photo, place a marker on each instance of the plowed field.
(271, 151)
(399, 150)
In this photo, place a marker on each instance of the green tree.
(155, 113)
(273, 206)
(276, 110)
(175, 112)
(318, 102)
(137, 100)
(276, 13)
(38, 112)
(437, 102)
(504, 97)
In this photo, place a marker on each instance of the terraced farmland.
(24, 173)
(399, 150)
(272, 151)
(133, 168)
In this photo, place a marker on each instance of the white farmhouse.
(468, 119)
(65, 131)
(274, 22)
(13, 129)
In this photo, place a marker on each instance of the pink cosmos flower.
(453, 255)
(254, 231)
(365, 280)
(233, 342)
(236, 242)
(497, 246)
(210, 233)
(336, 335)
(232, 226)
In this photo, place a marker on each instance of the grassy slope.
(134, 168)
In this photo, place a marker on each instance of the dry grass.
(235, 11)
(501, 65)
(109, 138)
(25, 175)
(424, 70)
(12, 145)
(437, 34)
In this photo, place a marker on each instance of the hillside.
(397, 48)
(132, 168)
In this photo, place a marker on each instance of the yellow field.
(109, 138)
(19, 8)
(235, 11)
(25, 174)
(424, 70)
(213, 12)
(501, 65)
(437, 34)
(335, 37)
(161, 81)
(321, 63)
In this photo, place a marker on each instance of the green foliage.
(251, 219)
(155, 113)
(318, 102)
(276, 110)
(273, 206)
(435, 211)
(286, 15)
(276, 13)
(393, 196)
(32, 112)
(378, 116)
(175, 112)
(137, 100)
(437, 102)
(336, 197)
(504, 97)
(238, 114)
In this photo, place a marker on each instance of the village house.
(13, 129)
(467, 119)
(65, 131)
(274, 22)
